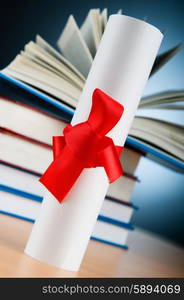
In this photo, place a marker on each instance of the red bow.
(85, 146)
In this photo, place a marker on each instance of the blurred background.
(160, 195)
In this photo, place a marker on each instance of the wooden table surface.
(148, 256)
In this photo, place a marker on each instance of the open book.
(60, 76)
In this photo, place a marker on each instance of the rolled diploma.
(121, 68)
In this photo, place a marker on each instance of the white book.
(105, 230)
(113, 209)
(22, 180)
(29, 122)
(18, 151)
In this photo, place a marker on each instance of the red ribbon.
(85, 146)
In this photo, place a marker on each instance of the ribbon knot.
(85, 146)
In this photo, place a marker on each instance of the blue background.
(160, 195)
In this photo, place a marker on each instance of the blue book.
(65, 112)
(118, 211)
(26, 206)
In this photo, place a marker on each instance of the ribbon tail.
(119, 150)
(62, 174)
(109, 159)
(58, 143)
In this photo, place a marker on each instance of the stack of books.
(26, 151)
(45, 86)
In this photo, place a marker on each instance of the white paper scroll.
(121, 68)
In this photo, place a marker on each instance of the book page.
(74, 48)
(164, 113)
(43, 56)
(162, 99)
(158, 141)
(104, 18)
(40, 85)
(91, 30)
(34, 74)
(48, 48)
(163, 58)
(165, 135)
(34, 59)
(97, 26)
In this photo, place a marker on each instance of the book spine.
(69, 111)
(21, 193)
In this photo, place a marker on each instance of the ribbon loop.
(109, 159)
(85, 146)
